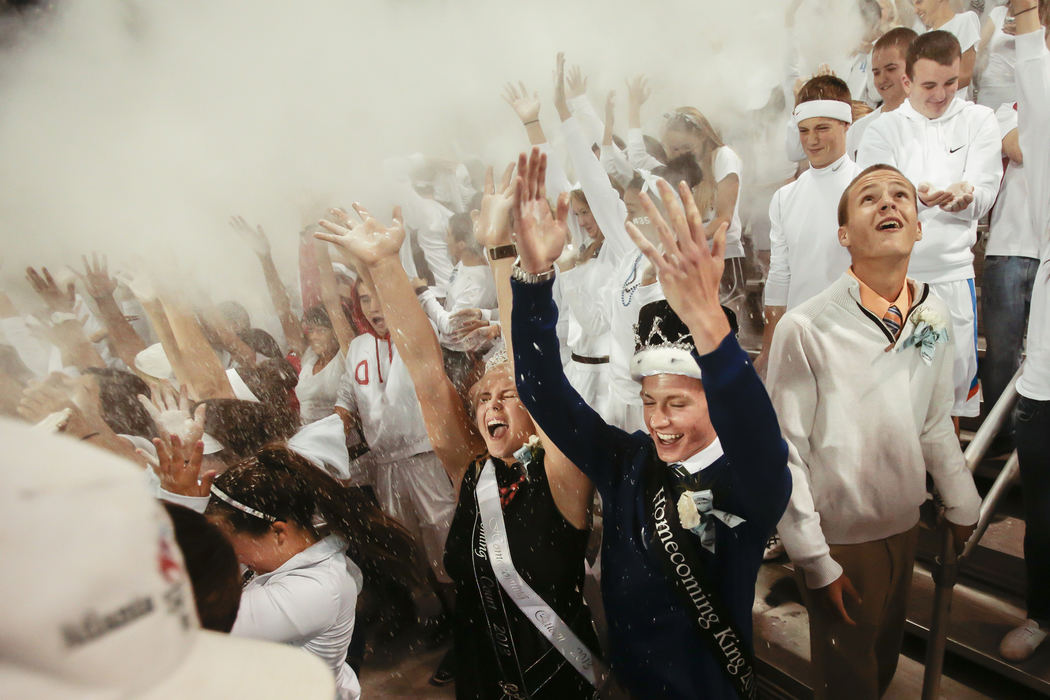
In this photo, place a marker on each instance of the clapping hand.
(540, 237)
(689, 271)
(368, 241)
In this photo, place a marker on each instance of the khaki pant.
(859, 662)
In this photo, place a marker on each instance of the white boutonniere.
(697, 514)
(530, 452)
(928, 328)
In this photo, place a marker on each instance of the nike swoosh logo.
(953, 150)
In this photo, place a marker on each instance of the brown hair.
(691, 120)
(285, 486)
(844, 199)
(939, 46)
(824, 87)
(899, 38)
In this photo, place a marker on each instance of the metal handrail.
(946, 572)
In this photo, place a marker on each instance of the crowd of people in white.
(451, 401)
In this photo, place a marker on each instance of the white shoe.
(1020, 643)
(774, 548)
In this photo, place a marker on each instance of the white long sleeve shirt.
(863, 425)
(804, 251)
(308, 602)
(1033, 115)
(962, 145)
(1010, 226)
(469, 287)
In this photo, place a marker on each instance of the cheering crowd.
(465, 397)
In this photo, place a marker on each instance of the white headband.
(240, 506)
(832, 109)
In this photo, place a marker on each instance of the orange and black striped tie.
(893, 320)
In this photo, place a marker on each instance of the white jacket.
(308, 602)
(962, 145)
(805, 255)
(1033, 116)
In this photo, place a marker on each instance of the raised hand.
(576, 83)
(254, 237)
(526, 106)
(637, 93)
(689, 271)
(560, 102)
(540, 237)
(610, 110)
(368, 241)
(178, 467)
(170, 413)
(492, 224)
(45, 285)
(97, 280)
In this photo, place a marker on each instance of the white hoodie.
(1033, 115)
(962, 145)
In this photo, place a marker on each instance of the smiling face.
(675, 409)
(887, 70)
(371, 308)
(823, 139)
(882, 220)
(499, 415)
(926, 9)
(679, 141)
(933, 86)
(322, 339)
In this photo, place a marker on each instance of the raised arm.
(260, 245)
(449, 428)
(344, 333)
(100, 287)
(637, 93)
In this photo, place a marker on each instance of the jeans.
(1032, 434)
(1006, 294)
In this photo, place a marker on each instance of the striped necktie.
(893, 320)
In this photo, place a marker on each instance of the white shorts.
(960, 296)
(416, 491)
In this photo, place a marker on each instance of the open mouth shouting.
(893, 224)
(497, 428)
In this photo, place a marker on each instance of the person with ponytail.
(311, 544)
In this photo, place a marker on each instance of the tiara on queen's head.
(497, 358)
(683, 117)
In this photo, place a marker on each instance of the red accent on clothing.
(357, 373)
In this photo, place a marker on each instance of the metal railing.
(946, 572)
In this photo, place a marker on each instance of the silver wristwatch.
(518, 273)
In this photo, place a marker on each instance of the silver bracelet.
(518, 273)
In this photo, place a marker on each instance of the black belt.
(590, 360)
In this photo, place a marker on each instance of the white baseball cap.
(95, 601)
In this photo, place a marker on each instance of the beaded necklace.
(627, 290)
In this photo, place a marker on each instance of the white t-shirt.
(624, 297)
(805, 254)
(726, 163)
(998, 83)
(1010, 228)
(317, 392)
(856, 132)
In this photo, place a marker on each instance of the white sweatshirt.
(469, 287)
(804, 251)
(1010, 226)
(863, 426)
(378, 388)
(962, 145)
(1033, 115)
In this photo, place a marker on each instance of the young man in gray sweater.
(861, 379)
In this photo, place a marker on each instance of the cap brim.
(217, 666)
